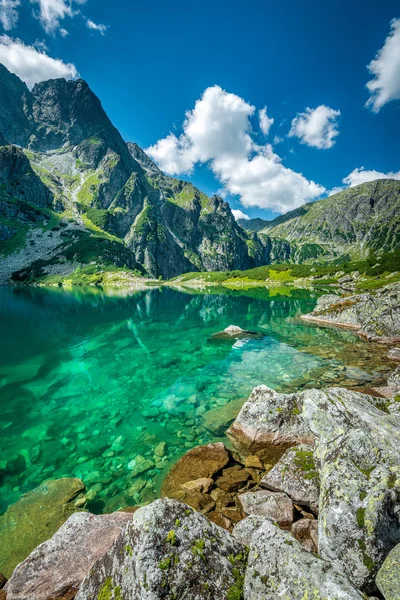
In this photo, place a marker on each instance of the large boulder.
(168, 551)
(297, 475)
(35, 518)
(218, 419)
(203, 461)
(388, 578)
(375, 316)
(357, 454)
(268, 424)
(57, 567)
(278, 567)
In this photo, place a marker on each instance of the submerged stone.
(35, 518)
(203, 461)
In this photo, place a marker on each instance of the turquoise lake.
(91, 382)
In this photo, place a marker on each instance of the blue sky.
(155, 60)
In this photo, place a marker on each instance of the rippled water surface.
(91, 383)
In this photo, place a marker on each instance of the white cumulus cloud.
(239, 214)
(385, 68)
(362, 175)
(32, 64)
(9, 13)
(316, 127)
(265, 121)
(96, 26)
(218, 132)
(52, 12)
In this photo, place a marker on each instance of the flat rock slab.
(168, 551)
(35, 518)
(278, 567)
(218, 419)
(276, 506)
(57, 567)
(388, 578)
(296, 474)
(203, 461)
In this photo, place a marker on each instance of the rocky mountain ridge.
(108, 203)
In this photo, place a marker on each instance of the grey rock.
(297, 475)
(394, 354)
(168, 550)
(279, 567)
(375, 316)
(244, 530)
(275, 505)
(388, 578)
(57, 567)
(268, 424)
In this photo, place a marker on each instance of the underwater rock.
(57, 567)
(268, 424)
(218, 419)
(279, 567)
(388, 578)
(203, 461)
(202, 485)
(168, 551)
(296, 474)
(35, 518)
(275, 505)
(233, 478)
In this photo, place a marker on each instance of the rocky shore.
(305, 505)
(375, 317)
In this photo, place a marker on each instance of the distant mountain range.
(73, 192)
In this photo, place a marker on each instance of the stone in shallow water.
(218, 419)
(57, 567)
(277, 506)
(388, 578)
(168, 551)
(297, 476)
(203, 461)
(35, 518)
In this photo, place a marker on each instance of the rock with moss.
(268, 424)
(357, 455)
(375, 316)
(57, 567)
(297, 475)
(35, 518)
(388, 578)
(278, 567)
(169, 551)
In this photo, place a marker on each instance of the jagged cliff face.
(111, 189)
(91, 198)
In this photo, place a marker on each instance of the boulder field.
(306, 505)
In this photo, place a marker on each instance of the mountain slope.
(109, 193)
(353, 222)
(253, 224)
